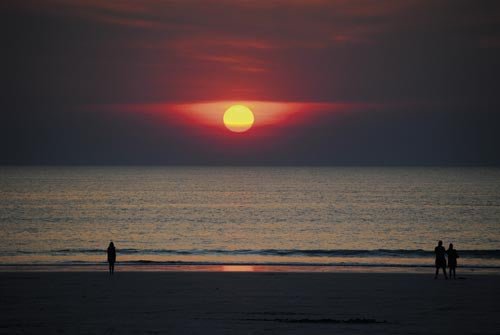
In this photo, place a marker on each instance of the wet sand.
(246, 303)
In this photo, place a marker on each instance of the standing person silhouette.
(440, 252)
(452, 260)
(111, 257)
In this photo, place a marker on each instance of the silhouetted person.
(440, 259)
(111, 257)
(452, 260)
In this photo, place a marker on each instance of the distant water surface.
(249, 215)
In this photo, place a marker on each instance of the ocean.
(330, 217)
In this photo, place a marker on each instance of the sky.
(339, 82)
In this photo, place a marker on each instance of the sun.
(238, 118)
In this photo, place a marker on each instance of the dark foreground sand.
(247, 303)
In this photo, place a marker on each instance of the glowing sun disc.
(238, 118)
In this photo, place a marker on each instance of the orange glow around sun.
(238, 118)
(253, 113)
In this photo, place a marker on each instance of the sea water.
(321, 216)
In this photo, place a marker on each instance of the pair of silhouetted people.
(111, 257)
(441, 253)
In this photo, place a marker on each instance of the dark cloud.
(58, 134)
(433, 65)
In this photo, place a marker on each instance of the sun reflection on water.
(238, 268)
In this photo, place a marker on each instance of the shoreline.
(243, 267)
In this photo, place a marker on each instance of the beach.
(247, 303)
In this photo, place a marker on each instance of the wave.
(360, 253)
